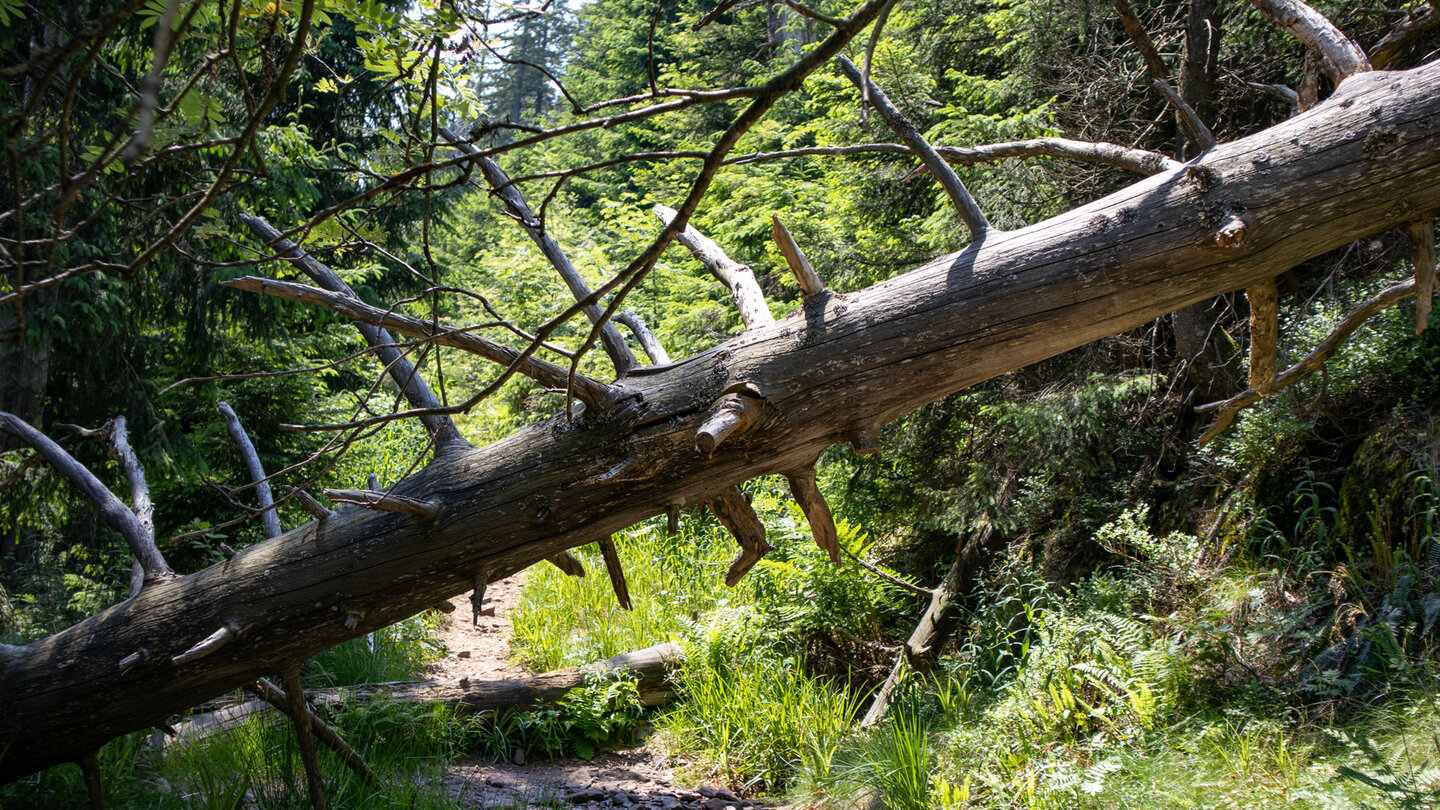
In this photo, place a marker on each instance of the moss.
(1387, 477)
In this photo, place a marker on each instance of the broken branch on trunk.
(1313, 361)
(568, 563)
(732, 415)
(1187, 114)
(965, 204)
(383, 501)
(651, 344)
(611, 555)
(141, 504)
(1264, 334)
(1421, 236)
(736, 514)
(1404, 35)
(810, 283)
(591, 392)
(739, 278)
(1341, 56)
(112, 511)
(806, 492)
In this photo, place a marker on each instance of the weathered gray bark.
(1366, 160)
(649, 668)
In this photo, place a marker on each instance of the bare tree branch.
(269, 518)
(619, 353)
(1140, 161)
(411, 383)
(1342, 57)
(1312, 362)
(1407, 32)
(965, 204)
(112, 511)
(739, 278)
(591, 392)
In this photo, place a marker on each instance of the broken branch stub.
(567, 562)
(735, 513)
(1264, 334)
(1421, 236)
(383, 502)
(810, 283)
(732, 415)
(806, 491)
(617, 574)
(210, 644)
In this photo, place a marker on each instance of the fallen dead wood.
(649, 667)
(1365, 160)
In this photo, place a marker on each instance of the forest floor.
(642, 777)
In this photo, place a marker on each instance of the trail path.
(640, 778)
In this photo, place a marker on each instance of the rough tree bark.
(1366, 160)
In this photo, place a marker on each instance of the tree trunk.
(648, 667)
(1366, 160)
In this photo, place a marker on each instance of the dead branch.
(1421, 236)
(965, 204)
(615, 348)
(1313, 362)
(438, 424)
(1140, 161)
(269, 518)
(739, 278)
(112, 512)
(591, 392)
(651, 344)
(1342, 57)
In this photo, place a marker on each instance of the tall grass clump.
(755, 720)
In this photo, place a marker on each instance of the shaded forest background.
(1249, 621)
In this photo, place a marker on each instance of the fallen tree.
(649, 668)
(1365, 160)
